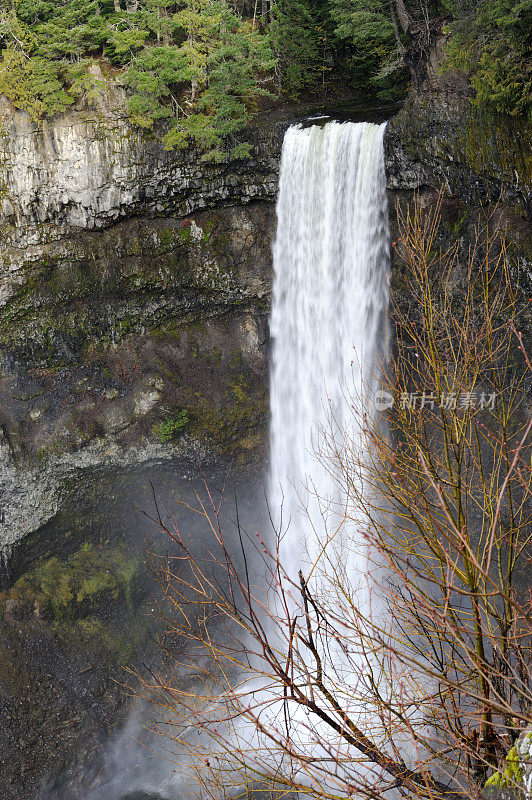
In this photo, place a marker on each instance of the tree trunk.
(117, 6)
(401, 49)
(402, 15)
(264, 13)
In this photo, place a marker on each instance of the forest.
(205, 66)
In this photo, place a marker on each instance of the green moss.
(67, 588)
(79, 594)
(237, 414)
(236, 361)
(497, 146)
(95, 585)
(171, 329)
(494, 146)
(510, 777)
(123, 646)
(55, 583)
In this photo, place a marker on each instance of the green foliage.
(194, 62)
(43, 49)
(150, 76)
(222, 60)
(82, 82)
(201, 69)
(295, 33)
(367, 27)
(366, 23)
(491, 40)
(32, 84)
(169, 428)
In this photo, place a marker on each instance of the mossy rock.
(239, 412)
(86, 580)
(89, 599)
(505, 783)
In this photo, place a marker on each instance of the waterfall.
(328, 321)
(328, 326)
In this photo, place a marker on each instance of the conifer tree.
(295, 32)
(205, 63)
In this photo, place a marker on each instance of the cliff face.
(134, 289)
(134, 294)
(439, 141)
(87, 169)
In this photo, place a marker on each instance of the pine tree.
(220, 58)
(366, 23)
(295, 34)
(492, 41)
(372, 29)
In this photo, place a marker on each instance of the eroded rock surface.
(123, 303)
(440, 140)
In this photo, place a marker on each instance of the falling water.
(328, 320)
(328, 326)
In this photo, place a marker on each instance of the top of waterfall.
(348, 112)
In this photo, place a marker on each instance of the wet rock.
(439, 139)
(144, 400)
(524, 752)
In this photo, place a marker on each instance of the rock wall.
(87, 169)
(126, 307)
(134, 292)
(440, 139)
(441, 142)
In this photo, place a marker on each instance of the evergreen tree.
(201, 66)
(371, 29)
(295, 33)
(220, 60)
(365, 23)
(492, 41)
(194, 61)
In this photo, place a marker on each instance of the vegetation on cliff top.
(204, 65)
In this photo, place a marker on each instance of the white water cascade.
(328, 324)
